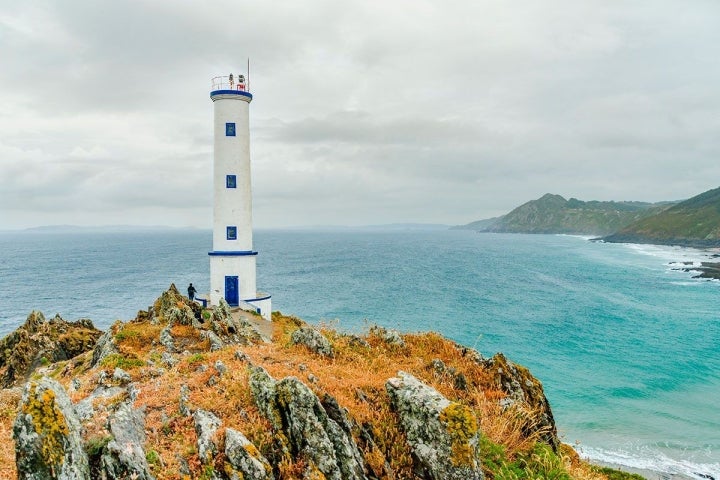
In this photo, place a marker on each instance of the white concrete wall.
(232, 206)
(265, 308)
(240, 266)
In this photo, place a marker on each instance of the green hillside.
(694, 222)
(554, 214)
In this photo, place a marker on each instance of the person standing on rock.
(191, 292)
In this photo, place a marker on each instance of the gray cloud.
(364, 112)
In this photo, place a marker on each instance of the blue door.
(231, 291)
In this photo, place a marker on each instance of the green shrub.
(613, 474)
(116, 360)
(152, 457)
(196, 358)
(541, 462)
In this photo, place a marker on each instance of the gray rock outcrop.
(39, 342)
(47, 442)
(104, 347)
(297, 415)
(313, 340)
(388, 335)
(206, 424)
(442, 435)
(245, 458)
(124, 456)
(522, 388)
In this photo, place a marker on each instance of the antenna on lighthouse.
(248, 72)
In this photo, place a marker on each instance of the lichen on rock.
(313, 340)
(245, 458)
(124, 456)
(442, 435)
(299, 417)
(38, 342)
(46, 433)
(206, 424)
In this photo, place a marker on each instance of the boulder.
(443, 435)
(104, 347)
(206, 424)
(313, 340)
(46, 434)
(166, 339)
(245, 458)
(124, 456)
(388, 335)
(311, 435)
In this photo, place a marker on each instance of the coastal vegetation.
(694, 222)
(176, 393)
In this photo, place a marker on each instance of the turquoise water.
(627, 348)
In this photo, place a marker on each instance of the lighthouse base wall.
(232, 278)
(264, 305)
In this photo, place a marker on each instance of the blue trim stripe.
(231, 92)
(250, 300)
(234, 253)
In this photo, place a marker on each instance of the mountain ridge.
(553, 214)
(694, 222)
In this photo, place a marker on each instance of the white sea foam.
(677, 258)
(584, 237)
(646, 458)
(687, 284)
(671, 253)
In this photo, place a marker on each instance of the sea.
(627, 345)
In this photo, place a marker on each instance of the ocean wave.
(646, 458)
(584, 237)
(671, 253)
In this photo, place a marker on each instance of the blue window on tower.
(232, 233)
(230, 181)
(230, 129)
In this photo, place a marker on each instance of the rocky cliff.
(186, 392)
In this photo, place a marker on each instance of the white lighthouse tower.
(232, 259)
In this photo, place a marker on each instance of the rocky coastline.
(186, 392)
(708, 270)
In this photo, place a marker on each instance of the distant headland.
(690, 223)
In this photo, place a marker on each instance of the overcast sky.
(364, 112)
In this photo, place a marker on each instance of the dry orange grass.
(356, 377)
(9, 399)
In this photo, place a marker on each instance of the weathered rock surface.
(219, 326)
(308, 435)
(244, 457)
(390, 336)
(39, 342)
(124, 456)
(442, 435)
(105, 347)
(206, 424)
(522, 387)
(46, 433)
(313, 340)
(298, 416)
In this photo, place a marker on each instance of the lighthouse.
(232, 259)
